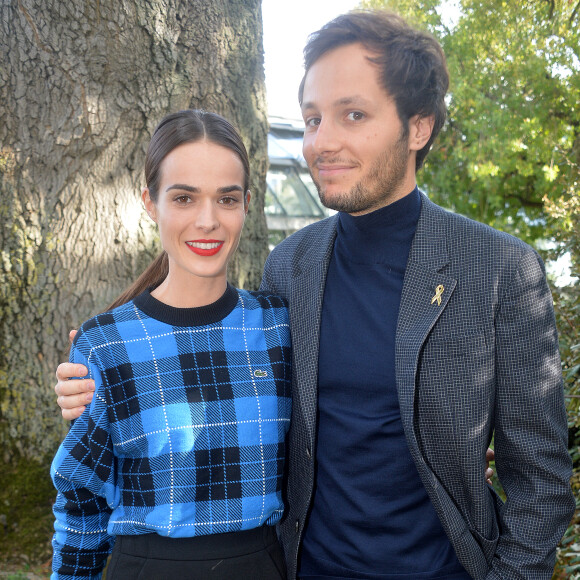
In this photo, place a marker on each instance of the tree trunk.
(82, 85)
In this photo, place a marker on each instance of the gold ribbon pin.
(438, 294)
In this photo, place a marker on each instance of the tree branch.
(574, 13)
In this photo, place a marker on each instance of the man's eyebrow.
(342, 102)
(354, 100)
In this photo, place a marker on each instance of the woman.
(179, 459)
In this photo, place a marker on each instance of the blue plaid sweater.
(185, 433)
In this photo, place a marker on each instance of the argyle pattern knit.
(185, 433)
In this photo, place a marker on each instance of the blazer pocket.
(488, 544)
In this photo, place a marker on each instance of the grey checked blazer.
(483, 362)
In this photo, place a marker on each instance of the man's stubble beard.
(378, 188)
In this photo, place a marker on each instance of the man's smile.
(327, 170)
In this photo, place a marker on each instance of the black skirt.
(253, 554)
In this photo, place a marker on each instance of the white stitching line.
(189, 331)
(185, 525)
(202, 426)
(259, 411)
(163, 406)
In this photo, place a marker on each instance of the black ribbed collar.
(200, 316)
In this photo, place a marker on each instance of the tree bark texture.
(82, 85)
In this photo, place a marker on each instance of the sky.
(286, 28)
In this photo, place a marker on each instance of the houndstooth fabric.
(476, 357)
(185, 435)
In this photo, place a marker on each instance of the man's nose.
(326, 139)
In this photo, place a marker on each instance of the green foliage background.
(509, 154)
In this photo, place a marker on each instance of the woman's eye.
(355, 116)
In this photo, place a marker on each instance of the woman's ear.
(247, 198)
(149, 204)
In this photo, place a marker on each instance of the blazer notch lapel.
(307, 292)
(424, 299)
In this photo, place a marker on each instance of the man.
(417, 335)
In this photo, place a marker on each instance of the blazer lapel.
(307, 291)
(426, 292)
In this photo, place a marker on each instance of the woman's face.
(200, 210)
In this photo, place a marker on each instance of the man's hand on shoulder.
(73, 394)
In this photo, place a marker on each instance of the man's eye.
(182, 199)
(228, 200)
(355, 116)
(313, 122)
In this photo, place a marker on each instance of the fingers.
(70, 414)
(488, 475)
(69, 370)
(489, 456)
(74, 392)
(69, 398)
(73, 396)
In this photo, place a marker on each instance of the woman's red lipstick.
(205, 247)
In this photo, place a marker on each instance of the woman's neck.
(190, 291)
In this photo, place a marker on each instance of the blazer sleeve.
(532, 459)
(266, 284)
(271, 273)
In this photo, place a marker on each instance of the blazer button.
(297, 525)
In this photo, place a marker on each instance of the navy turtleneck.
(383, 523)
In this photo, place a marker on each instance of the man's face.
(355, 145)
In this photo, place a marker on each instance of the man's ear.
(420, 129)
(149, 204)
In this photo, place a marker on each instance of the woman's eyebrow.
(230, 188)
(192, 189)
(183, 187)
